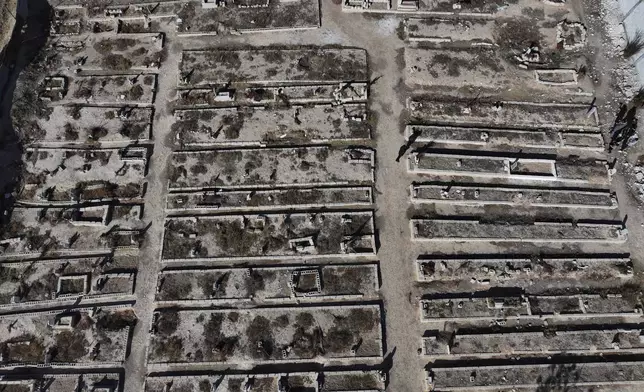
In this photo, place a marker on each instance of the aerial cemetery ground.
(304, 195)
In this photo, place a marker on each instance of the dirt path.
(392, 197)
(150, 256)
(379, 38)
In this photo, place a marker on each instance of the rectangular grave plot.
(482, 65)
(26, 237)
(104, 52)
(73, 285)
(585, 140)
(81, 337)
(349, 381)
(273, 235)
(508, 271)
(556, 77)
(266, 335)
(567, 170)
(70, 381)
(295, 125)
(539, 342)
(268, 199)
(27, 283)
(524, 115)
(345, 92)
(203, 19)
(472, 230)
(447, 31)
(585, 305)
(480, 194)
(301, 167)
(502, 137)
(596, 376)
(128, 12)
(67, 176)
(269, 284)
(90, 125)
(273, 66)
(473, 308)
(564, 306)
(112, 90)
(482, 136)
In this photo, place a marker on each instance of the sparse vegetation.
(217, 345)
(634, 44)
(135, 93)
(116, 62)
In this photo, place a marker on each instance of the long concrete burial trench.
(554, 307)
(297, 283)
(473, 65)
(303, 167)
(571, 341)
(327, 381)
(261, 126)
(506, 114)
(268, 199)
(605, 376)
(472, 229)
(72, 380)
(507, 270)
(485, 194)
(450, 31)
(266, 66)
(520, 167)
(348, 94)
(504, 138)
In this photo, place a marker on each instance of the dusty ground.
(378, 35)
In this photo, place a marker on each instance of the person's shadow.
(387, 364)
(403, 149)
